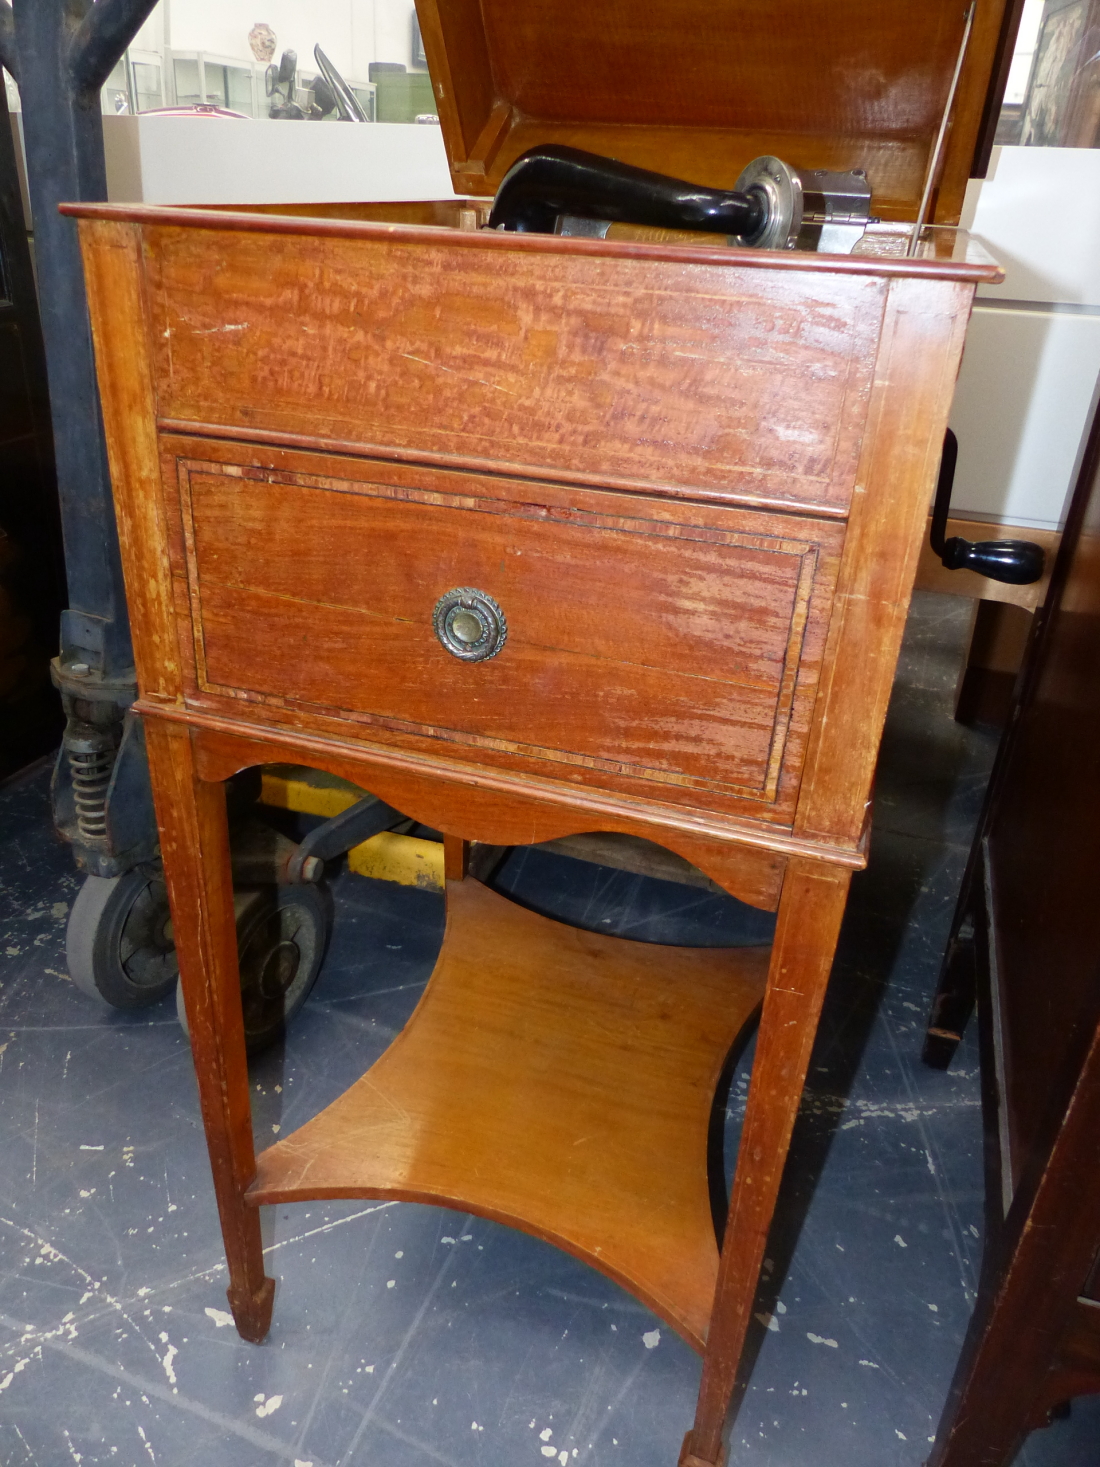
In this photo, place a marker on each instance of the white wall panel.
(197, 160)
(1029, 371)
(1020, 410)
(1038, 213)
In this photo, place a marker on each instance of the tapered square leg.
(807, 927)
(689, 1459)
(252, 1312)
(194, 840)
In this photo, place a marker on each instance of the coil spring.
(91, 762)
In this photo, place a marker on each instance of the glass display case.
(215, 81)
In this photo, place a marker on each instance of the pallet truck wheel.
(119, 940)
(281, 937)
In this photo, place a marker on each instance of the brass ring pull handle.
(469, 624)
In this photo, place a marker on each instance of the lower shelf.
(555, 1080)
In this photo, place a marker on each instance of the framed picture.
(1061, 108)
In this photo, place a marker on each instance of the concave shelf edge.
(555, 1080)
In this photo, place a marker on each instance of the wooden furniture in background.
(1001, 623)
(933, 575)
(694, 480)
(999, 635)
(1026, 941)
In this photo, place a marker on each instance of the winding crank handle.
(1016, 562)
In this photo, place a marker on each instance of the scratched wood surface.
(698, 90)
(806, 932)
(194, 833)
(694, 757)
(715, 630)
(672, 472)
(554, 1079)
(127, 389)
(717, 380)
(503, 810)
(918, 363)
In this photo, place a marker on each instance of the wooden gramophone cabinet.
(691, 480)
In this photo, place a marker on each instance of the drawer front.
(664, 649)
(723, 380)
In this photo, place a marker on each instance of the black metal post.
(32, 565)
(60, 53)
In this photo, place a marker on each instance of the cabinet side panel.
(116, 302)
(922, 341)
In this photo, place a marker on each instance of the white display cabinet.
(1032, 358)
(199, 160)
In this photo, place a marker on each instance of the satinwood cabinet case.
(675, 495)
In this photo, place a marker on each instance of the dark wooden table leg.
(808, 923)
(956, 991)
(1014, 1365)
(194, 840)
(953, 1002)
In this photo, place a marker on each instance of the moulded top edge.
(947, 253)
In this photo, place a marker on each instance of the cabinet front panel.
(667, 649)
(729, 381)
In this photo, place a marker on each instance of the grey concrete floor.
(405, 1335)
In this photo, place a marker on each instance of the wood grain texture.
(194, 839)
(461, 71)
(501, 812)
(945, 253)
(810, 912)
(471, 463)
(693, 683)
(689, 1459)
(688, 89)
(557, 1080)
(918, 363)
(695, 481)
(508, 810)
(1034, 1340)
(719, 378)
(120, 330)
(631, 853)
(444, 213)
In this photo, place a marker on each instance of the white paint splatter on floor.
(170, 1354)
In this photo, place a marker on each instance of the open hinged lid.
(698, 89)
